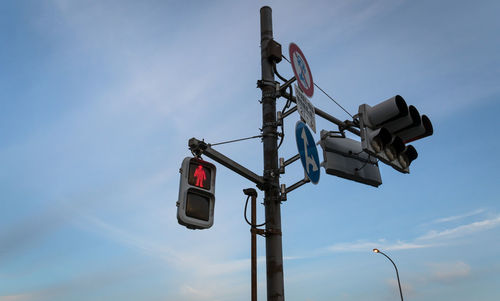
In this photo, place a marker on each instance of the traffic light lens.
(199, 175)
(390, 152)
(403, 160)
(376, 144)
(198, 206)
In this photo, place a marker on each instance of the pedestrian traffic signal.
(388, 126)
(195, 207)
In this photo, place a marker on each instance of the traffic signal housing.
(387, 127)
(343, 157)
(195, 206)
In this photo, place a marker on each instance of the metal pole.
(274, 251)
(254, 247)
(397, 273)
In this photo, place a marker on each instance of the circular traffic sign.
(301, 70)
(308, 151)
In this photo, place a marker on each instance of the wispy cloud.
(19, 297)
(363, 246)
(449, 271)
(433, 238)
(462, 230)
(457, 217)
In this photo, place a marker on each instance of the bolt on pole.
(272, 203)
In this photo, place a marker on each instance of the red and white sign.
(301, 70)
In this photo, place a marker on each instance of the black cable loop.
(277, 73)
(245, 215)
(282, 133)
(287, 104)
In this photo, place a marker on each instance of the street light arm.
(397, 273)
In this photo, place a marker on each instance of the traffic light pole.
(272, 202)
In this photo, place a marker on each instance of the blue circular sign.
(308, 151)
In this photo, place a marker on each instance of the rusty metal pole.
(253, 230)
(250, 192)
(272, 201)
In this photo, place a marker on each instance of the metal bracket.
(287, 84)
(201, 147)
(282, 165)
(325, 115)
(291, 160)
(289, 112)
(298, 184)
(283, 193)
(279, 118)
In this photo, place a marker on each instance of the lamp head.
(376, 250)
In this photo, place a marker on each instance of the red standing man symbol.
(200, 176)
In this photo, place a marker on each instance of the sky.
(98, 100)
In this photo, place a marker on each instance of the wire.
(282, 134)
(287, 104)
(366, 162)
(325, 93)
(245, 215)
(236, 140)
(279, 75)
(333, 100)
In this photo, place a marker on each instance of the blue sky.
(99, 98)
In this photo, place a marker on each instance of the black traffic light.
(343, 157)
(388, 126)
(195, 207)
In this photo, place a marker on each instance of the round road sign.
(301, 69)
(307, 151)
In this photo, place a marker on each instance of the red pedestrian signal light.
(199, 174)
(195, 207)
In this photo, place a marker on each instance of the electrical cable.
(236, 140)
(333, 100)
(279, 75)
(325, 93)
(288, 101)
(287, 104)
(366, 162)
(282, 134)
(245, 215)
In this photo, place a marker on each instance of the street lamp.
(397, 274)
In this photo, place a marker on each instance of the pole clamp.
(269, 94)
(273, 232)
(271, 123)
(258, 231)
(265, 233)
(261, 83)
